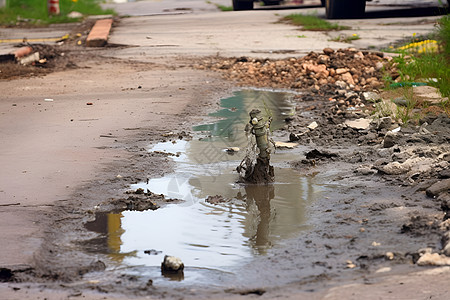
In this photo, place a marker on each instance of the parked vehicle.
(248, 4)
(344, 9)
(335, 9)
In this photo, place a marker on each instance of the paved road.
(195, 28)
(147, 7)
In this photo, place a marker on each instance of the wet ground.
(348, 205)
(320, 224)
(220, 223)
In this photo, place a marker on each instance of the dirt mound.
(360, 70)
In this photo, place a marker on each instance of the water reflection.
(261, 197)
(205, 235)
(250, 221)
(234, 114)
(109, 226)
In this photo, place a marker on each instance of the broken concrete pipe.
(260, 129)
(262, 171)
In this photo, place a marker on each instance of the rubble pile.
(345, 68)
(34, 59)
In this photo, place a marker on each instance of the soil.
(378, 215)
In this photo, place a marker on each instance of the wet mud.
(371, 199)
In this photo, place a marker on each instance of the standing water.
(214, 237)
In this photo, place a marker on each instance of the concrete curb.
(99, 33)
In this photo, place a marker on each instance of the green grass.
(346, 38)
(444, 35)
(35, 11)
(224, 8)
(220, 6)
(432, 67)
(312, 22)
(422, 67)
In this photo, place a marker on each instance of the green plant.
(425, 67)
(405, 113)
(384, 109)
(345, 38)
(445, 105)
(224, 8)
(444, 34)
(35, 11)
(312, 22)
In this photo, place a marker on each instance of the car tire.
(242, 5)
(345, 9)
(271, 2)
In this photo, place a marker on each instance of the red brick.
(23, 51)
(99, 33)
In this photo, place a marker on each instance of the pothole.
(221, 224)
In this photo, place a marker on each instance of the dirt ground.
(65, 158)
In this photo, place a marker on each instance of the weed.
(444, 34)
(313, 23)
(345, 38)
(35, 11)
(384, 109)
(224, 7)
(404, 113)
(429, 67)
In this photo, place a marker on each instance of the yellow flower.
(355, 34)
(414, 34)
(75, 1)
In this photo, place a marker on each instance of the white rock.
(233, 149)
(412, 165)
(30, 59)
(341, 84)
(283, 145)
(389, 255)
(365, 170)
(433, 259)
(172, 263)
(427, 92)
(313, 125)
(358, 123)
(74, 15)
(379, 65)
(383, 270)
(396, 168)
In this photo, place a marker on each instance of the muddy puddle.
(212, 239)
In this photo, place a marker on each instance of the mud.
(68, 53)
(261, 173)
(375, 213)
